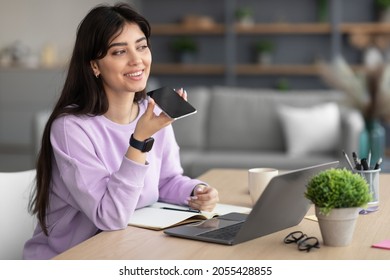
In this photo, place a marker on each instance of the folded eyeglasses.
(304, 242)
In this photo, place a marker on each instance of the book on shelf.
(160, 215)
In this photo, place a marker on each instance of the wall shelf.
(183, 29)
(271, 28)
(242, 69)
(294, 70)
(367, 28)
(187, 69)
(284, 28)
(226, 47)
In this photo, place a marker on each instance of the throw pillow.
(311, 130)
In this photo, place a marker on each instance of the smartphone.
(171, 103)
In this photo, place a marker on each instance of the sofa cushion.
(314, 129)
(247, 119)
(191, 131)
(242, 119)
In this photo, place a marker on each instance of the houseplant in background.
(322, 10)
(244, 16)
(383, 10)
(337, 195)
(185, 49)
(263, 51)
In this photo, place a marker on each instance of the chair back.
(17, 225)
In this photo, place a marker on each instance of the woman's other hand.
(204, 198)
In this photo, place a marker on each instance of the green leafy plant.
(184, 44)
(264, 46)
(337, 188)
(243, 12)
(382, 4)
(283, 85)
(322, 10)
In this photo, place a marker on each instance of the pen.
(364, 164)
(358, 166)
(378, 163)
(184, 210)
(369, 159)
(347, 158)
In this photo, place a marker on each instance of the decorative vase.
(372, 138)
(338, 226)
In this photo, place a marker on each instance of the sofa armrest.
(352, 124)
(39, 122)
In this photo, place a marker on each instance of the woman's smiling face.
(126, 66)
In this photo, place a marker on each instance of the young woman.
(98, 161)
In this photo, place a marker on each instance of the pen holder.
(372, 178)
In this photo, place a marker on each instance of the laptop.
(281, 205)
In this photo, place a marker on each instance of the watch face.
(148, 144)
(143, 146)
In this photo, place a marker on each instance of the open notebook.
(157, 218)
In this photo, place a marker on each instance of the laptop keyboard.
(225, 233)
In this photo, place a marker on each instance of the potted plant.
(337, 195)
(382, 7)
(263, 50)
(185, 49)
(322, 10)
(244, 15)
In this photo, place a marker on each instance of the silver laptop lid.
(282, 204)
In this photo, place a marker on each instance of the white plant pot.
(264, 58)
(385, 15)
(246, 21)
(338, 227)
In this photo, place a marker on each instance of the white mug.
(258, 179)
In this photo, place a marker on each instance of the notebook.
(162, 215)
(281, 205)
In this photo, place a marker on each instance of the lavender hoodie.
(95, 187)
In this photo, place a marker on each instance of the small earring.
(97, 76)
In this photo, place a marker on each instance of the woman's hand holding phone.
(172, 103)
(182, 93)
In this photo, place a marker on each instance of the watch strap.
(143, 146)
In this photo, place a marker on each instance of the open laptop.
(281, 205)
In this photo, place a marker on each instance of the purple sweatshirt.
(95, 187)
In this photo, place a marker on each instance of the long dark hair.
(82, 93)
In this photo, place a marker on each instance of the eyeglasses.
(304, 242)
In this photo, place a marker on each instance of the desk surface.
(143, 244)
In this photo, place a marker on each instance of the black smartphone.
(171, 103)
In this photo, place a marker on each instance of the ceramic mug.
(258, 179)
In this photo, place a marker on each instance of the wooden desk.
(142, 244)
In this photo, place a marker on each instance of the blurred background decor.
(185, 49)
(322, 12)
(264, 50)
(244, 16)
(198, 21)
(383, 10)
(368, 90)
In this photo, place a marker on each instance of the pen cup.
(372, 178)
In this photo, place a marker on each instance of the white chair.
(17, 225)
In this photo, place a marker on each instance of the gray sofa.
(244, 128)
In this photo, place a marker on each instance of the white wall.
(40, 22)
